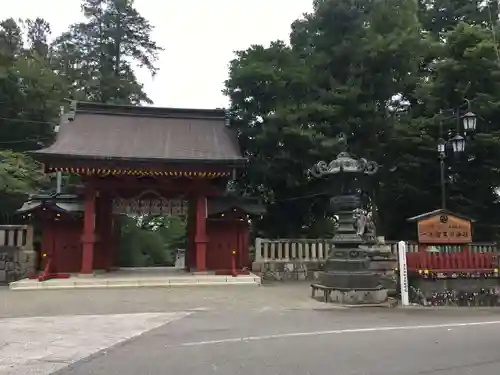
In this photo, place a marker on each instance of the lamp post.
(455, 144)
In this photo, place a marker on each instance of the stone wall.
(292, 270)
(304, 270)
(17, 255)
(15, 263)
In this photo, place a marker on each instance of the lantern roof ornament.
(344, 163)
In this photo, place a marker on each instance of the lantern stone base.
(359, 297)
(345, 280)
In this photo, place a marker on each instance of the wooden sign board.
(444, 229)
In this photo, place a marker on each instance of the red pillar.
(201, 239)
(115, 240)
(88, 237)
(241, 244)
(48, 245)
(191, 233)
(107, 232)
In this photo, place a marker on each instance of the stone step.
(103, 283)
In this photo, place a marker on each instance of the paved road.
(306, 342)
(255, 336)
(139, 300)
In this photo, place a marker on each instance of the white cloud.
(199, 38)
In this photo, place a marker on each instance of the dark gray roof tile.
(145, 133)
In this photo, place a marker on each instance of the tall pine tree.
(97, 56)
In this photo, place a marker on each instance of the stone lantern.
(347, 268)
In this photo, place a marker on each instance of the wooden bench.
(327, 290)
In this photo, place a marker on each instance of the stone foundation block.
(383, 265)
(358, 297)
(16, 263)
(29, 257)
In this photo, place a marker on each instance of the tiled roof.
(169, 135)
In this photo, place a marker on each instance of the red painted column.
(48, 243)
(88, 237)
(246, 239)
(107, 231)
(242, 247)
(201, 239)
(115, 237)
(191, 233)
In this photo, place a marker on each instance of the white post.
(403, 273)
(58, 182)
(258, 250)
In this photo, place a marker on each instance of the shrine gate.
(144, 160)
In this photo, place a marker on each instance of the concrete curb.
(102, 283)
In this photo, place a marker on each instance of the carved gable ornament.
(150, 203)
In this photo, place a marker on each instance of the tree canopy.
(96, 56)
(386, 74)
(30, 96)
(41, 73)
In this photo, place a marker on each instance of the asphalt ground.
(239, 330)
(308, 342)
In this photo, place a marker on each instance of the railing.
(20, 236)
(477, 247)
(286, 250)
(317, 250)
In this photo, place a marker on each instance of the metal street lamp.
(456, 143)
(441, 146)
(469, 122)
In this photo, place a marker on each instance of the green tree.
(346, 62)
(151, 240)
(30, 91)
(441, 16)
(19, 176)
(171, 228)
(38, 32)
(388, 83)
(95, 56)
(30, 96)
(468, 68)
(265, 87)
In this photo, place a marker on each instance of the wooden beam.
(129, 184)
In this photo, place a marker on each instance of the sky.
(199, 38)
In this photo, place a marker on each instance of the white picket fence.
(317, 250)
(20, 236)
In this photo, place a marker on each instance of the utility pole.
(63, 118)
(442, 166)
(56, 130)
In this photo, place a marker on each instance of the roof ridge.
(150, 111)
